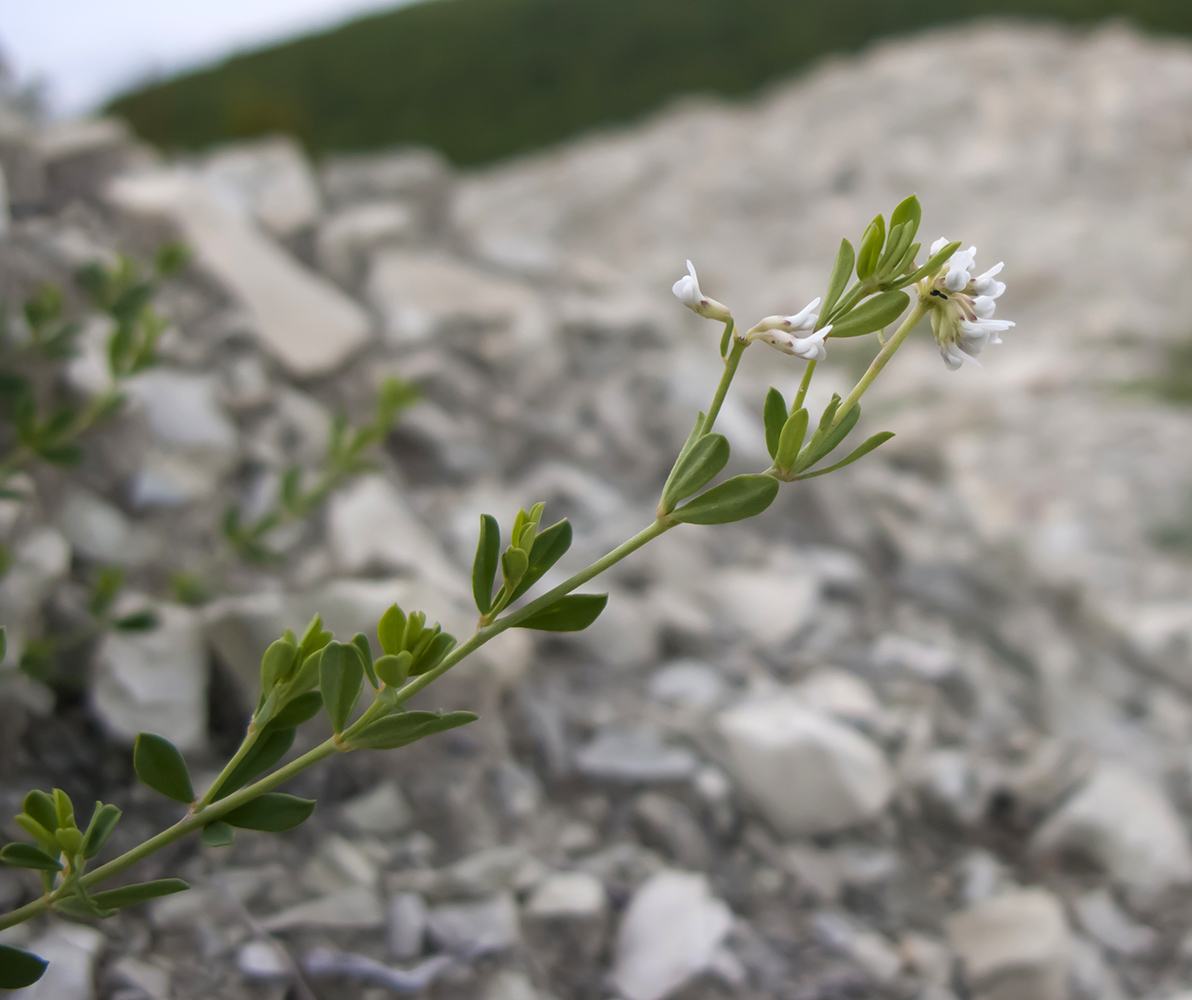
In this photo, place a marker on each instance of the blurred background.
(920, 731)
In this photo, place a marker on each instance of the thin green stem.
(730, 369)
(878, 363)
(802, 393)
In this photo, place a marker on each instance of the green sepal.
(774, 415)
(934, 263)
(871, 247)
(70, 839)
(873, 314)
(699, 467)
(572, 613)
(514, 563)
(364, 648)
(550, 545)
(160, 766)
(270, 747)
(394, 670)
(139, 892)
(298, 710)
(277, 663)
(271, 812)
(408, 727)
(842, 270)
(391, 629)
(19, 969)
(20, 855)
(218, 834)
(103, 822)
(484, 566)
(864, 449)
(341, 679)
(735, 500)
(791, 439)
(40, 807)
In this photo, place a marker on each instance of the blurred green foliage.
(484, 79)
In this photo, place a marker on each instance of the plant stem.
(730, 369)
(878, 363)
(802, 393)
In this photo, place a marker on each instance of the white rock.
(382, 811)
(40, 559)
(370, 525)
(767, 606)
(98, 530)
(634, 755)
(183, 410)
(1123, 822)
(71, 950)
(407, 925)
(347, 238)
(1104, 920)
(806, 772)
(509, 985)
(419, 293)
(154, 681)
(476, 928)
(670, 933)
(567, 896)
(263, 960)
(417, 175)
(899, 652)
(1014, 947)
(691, 683)
(837, 692)
(268, 180)
(357, 907)
(308, 325)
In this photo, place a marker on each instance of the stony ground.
(920, 731)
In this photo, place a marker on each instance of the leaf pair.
(524, 563)
(410, 646)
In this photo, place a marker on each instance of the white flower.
(963, 306)
(688, 292)
(780, 333)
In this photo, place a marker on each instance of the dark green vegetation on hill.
(483, 79)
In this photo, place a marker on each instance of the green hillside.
(483, 79)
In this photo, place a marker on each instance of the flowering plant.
(301, 676)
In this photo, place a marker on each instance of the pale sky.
(86, 50)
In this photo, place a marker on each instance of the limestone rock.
(348, 238)
(154, 681)
(383, 811)
(307, 324)
(268, 180)
(71, 950)
(1125, 824)
(356, 907)
(806, 772)
(632, 756)
(1015, 946)
(670, 934)
(476, 928)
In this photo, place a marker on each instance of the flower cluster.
(962, 306)
(795, 334)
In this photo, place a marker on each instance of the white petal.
(801, 319)
(956, 280)
(984, 306)
(939, 245)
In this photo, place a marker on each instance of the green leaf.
(313, 639)
(934, 263)
(3, 641)
(735, 500)
(514, 563)
(20, 855)
(64, 810)
(484, 566)
(825, 440)
(70, 839)
(908, 211)
(138, 621)
(549, 547)
(408, 727)
(871, 247)
(61, 454)
(897, 242)
(103, 822)
(869, 445)
(842, 270)
(431, 651)
(103, 592)
(572, 613)
(298, 710)
(159, 764)
(271, 812)
(364, 648)
(38, 832)
(724, 338)
(774, 415)
(707, 457)
(696, 432)
(171, 258)
(82, 906)
(873, 314)
(269, 748)
(40, 807)
(394, 670)
(391, 629)
(791, 439)
(19, 969)
(218, 834)
(139, 892)
(341, 679)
